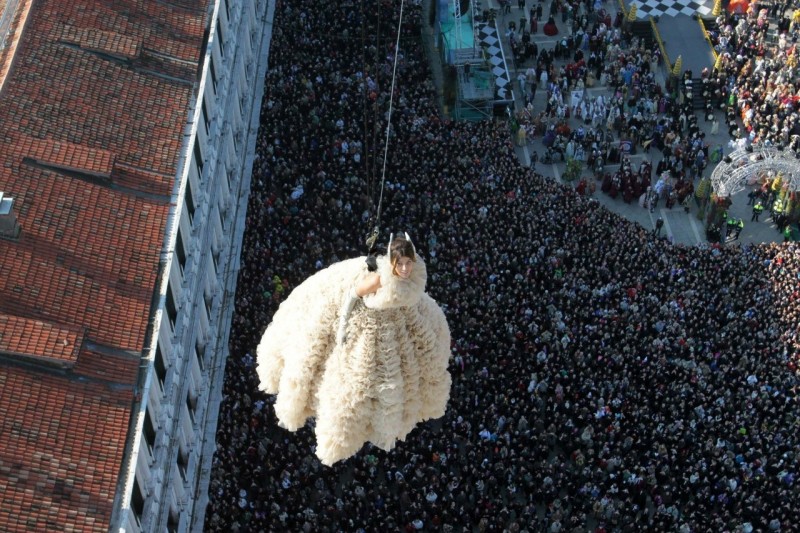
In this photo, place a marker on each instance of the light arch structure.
(731, 174)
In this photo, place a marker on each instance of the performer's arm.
(368, 285)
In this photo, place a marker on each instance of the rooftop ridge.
(142, 179)
(158, 197)
(40, 341)
(108, 42)
(105, 349)
(123, 166)
(167, 56)
(146, 64)
(185, 5)
(68, 156)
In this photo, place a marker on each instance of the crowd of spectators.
(757, 76)
(638, 113)
(603, 378)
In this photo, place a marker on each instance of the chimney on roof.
(9, 227)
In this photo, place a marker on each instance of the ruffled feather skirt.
(390, 375)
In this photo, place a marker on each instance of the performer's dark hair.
(401, 247)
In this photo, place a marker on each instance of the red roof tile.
(94, 111)
(39, 340)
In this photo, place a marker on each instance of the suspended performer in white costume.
(365, 353)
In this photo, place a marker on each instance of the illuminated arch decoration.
(732, 173)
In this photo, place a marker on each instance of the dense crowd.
(757, 76)
(603, 378)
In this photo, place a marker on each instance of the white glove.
(349, 300)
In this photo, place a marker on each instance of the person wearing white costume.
(365, 353)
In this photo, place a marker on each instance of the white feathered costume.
(390, 374)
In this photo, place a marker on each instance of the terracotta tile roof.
(102, 271)
(94, 105)
(182, 43)
(36, 339)
(60, 452)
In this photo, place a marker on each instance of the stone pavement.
(679, 226)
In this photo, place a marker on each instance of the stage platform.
(479, 44)
(477, 85)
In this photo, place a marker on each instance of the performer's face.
(403, 267)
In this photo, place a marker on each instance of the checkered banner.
(488, 35)
(662, 8)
